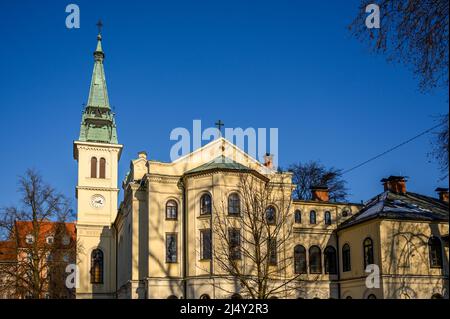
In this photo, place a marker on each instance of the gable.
(207, 154)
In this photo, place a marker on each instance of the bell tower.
(97, 152)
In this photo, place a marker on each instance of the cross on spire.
(99, 26)
(219, 125)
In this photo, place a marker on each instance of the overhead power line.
(392, 149)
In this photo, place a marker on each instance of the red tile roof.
(7, 251)
(46, 228)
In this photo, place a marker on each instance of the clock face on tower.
(97, 201)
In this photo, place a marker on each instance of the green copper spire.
(97, 124)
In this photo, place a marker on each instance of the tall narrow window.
(435, 251)
(299, 259)
(315, 260)
(102, 168)
(234, 204)
(171, 209)
(312, 217)
(97, 266)
(272, 251)
(346, 259)
(171, 248)
(234, 235)
(205, 205)
(93, 167)
(298, 217)
(368, 252)
(327, 218)
(271, 215)
(330, 260)
(205, 244)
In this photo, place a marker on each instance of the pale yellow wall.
(405, 259)
(142, 268)
(161, 188)
(353, 282)
(94, 224)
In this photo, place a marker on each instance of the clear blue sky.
(286, 64)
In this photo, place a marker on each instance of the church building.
(162, 240)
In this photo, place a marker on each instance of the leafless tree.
(440, 149)
(307, 175)
(257, 258)
(415, 33)
(39, 261)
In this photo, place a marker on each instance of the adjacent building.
(33, 260)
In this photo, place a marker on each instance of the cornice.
(93, 188)
(165, 179)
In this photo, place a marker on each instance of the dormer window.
(50, 240)
(66, 240)
(29, 239)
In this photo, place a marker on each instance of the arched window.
(205, 296)
(172, 297)
(299, 259)
(315, 260)
(346, 259)
(371, 296)
(437, 296)
(312, 217)
(93, 167)
(327, 218)
(236, 296)
(368, 252)
(97, 266)
(102, 168)
(298, 217)
(271, 215)
(349, 297)
(234, 204)
(435, 251)
(330, 260)
(171, 209)
(205, 205)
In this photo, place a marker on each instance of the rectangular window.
(205, 244)
(234, 235)
(272, 251)
(171, 248)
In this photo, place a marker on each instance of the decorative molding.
(165, 179)
(97, 188)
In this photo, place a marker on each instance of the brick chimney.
(320, 193)
(268, 160)
(395, 184)
(443, 194)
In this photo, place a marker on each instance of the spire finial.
(98, 54)
(99, 26)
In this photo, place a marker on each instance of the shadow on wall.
(101, 266)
